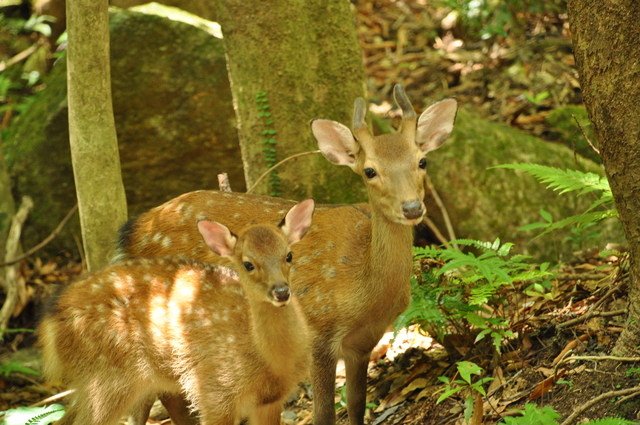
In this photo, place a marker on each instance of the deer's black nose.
(412, 210)
(281, 292)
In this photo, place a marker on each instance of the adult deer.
(353, 269)
(148, 327)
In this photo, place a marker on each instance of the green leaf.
(545, 214)
(33, 415)
(467, 369)
(14, 366)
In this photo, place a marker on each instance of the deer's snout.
(281, 293)
(412, 210)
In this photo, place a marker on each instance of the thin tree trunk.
(94, 149)
(291, 61)
(606, 36)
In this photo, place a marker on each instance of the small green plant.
(269, 142)
(570, 181)
(453, 294)
(14, 366)
(536, 99)
(33, 415)
(532, 415)
(473, 386)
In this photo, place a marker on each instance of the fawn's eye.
(247, 265)
(289, 257)
(370, 173)
(423, 163)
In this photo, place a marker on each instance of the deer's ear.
(298, 220)
(435, 124)
(217, 237)
(336, 142)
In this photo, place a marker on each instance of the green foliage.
(33, 415)
(472, 387)
(269, 143)
(455, 293)
(490, 18)
(533, 415)
(536, 99)
(570, 181)
(14, 366)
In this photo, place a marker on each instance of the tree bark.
(606, 36)
(94, 149)
(291, 61)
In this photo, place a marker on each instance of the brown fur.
(353, 267)
(150, 327)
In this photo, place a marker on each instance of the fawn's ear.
(298, 220)
(435, 124)
(217, 237)
(336, 142)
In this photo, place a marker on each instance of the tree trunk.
(94, 149)
(606, 36)
(291, 61)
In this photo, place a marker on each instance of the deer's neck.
(279, 333)
(389, 255)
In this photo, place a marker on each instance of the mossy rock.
(174, 121)
(485, 203)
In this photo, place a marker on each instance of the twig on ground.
(223, 182)
(48, 239)
(443, 210)
(14, 286)
(266, 173)
(19, 57)
(581, 409)
(593, 311)
(599, 358)
(53, 398)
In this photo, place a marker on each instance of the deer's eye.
(370, 173)
(423, 163)
(289, 257)
(247, 265)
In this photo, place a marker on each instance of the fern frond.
(562, 180)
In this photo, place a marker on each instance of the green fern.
(33, 415)
(455, 293)
(569, 181)
(563, 180)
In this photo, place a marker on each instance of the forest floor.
(519, 79)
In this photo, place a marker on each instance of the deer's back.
(327, 260)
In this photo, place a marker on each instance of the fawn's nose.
(412, 210)
(281, 292)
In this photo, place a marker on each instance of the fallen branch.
(266, 173)
(581, 409)
(14, 287)
(593, 311)
(18, 58)
(42, 244)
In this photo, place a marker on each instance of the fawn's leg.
(268, 414)
(100, 403)
(140, 411)
(178, 408)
